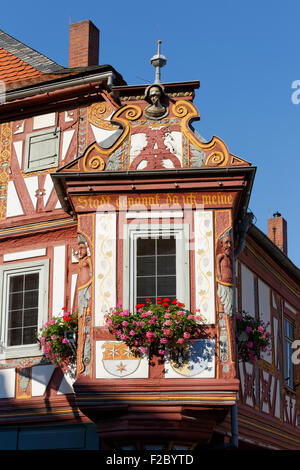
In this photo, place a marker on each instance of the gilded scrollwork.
(99, 111)
(215, 159)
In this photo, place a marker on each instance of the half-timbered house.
(87, 159)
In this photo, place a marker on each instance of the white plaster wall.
(41, 376)
(137, 143)
(66, 385)
(204, 265)
(13, 205)
(19, 151)
(48, 186)
(32, 185)
(66, 141)
(7, 383)
(44, 120)
(59, 267)
(73, 286)
(105, 265)
(277, 401)
(24, 254)
(173, 141)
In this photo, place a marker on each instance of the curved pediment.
(134, 137)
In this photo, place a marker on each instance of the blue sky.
(245, 54)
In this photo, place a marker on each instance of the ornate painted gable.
(140, 135)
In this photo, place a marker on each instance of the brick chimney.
(277, 231)
(83, 44)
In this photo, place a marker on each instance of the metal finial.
(158, 61)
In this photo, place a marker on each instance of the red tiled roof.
(13, 69)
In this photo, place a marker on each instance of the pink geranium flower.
(149, 334)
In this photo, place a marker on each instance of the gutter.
(42, 89)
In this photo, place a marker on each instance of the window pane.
(15, 301)
(288, 365)
(29, 335)
(166, 265)
(16, 283)
(145, 265)
(145, 246)
(15, 318)
(141, 300)
(166, 286)
(288, 329)
(31, 299)
(166, 246)
(14, 337)
(146, 287)
(156, 268)
(31, 317)
(32, 281)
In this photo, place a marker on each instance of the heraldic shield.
(118, 360)
(191, 359)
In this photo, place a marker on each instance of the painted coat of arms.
(115, 359)
(192, 360)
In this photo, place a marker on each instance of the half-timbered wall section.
(43, 126)
(268, 289)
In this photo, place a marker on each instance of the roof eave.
(264, 241)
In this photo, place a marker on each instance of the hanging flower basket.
(58, 338)
(252, 337)
(154, 326)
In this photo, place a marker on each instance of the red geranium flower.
(67, 318)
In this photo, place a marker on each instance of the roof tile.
(13, 69)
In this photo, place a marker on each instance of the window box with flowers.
(252, 337)
(153, 327)
(58, 338)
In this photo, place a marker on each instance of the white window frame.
(131, 233)
(6, 271)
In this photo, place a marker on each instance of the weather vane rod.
(158, 61)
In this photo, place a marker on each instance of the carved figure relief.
(224, 268)
(154, 96)
(85, 277)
